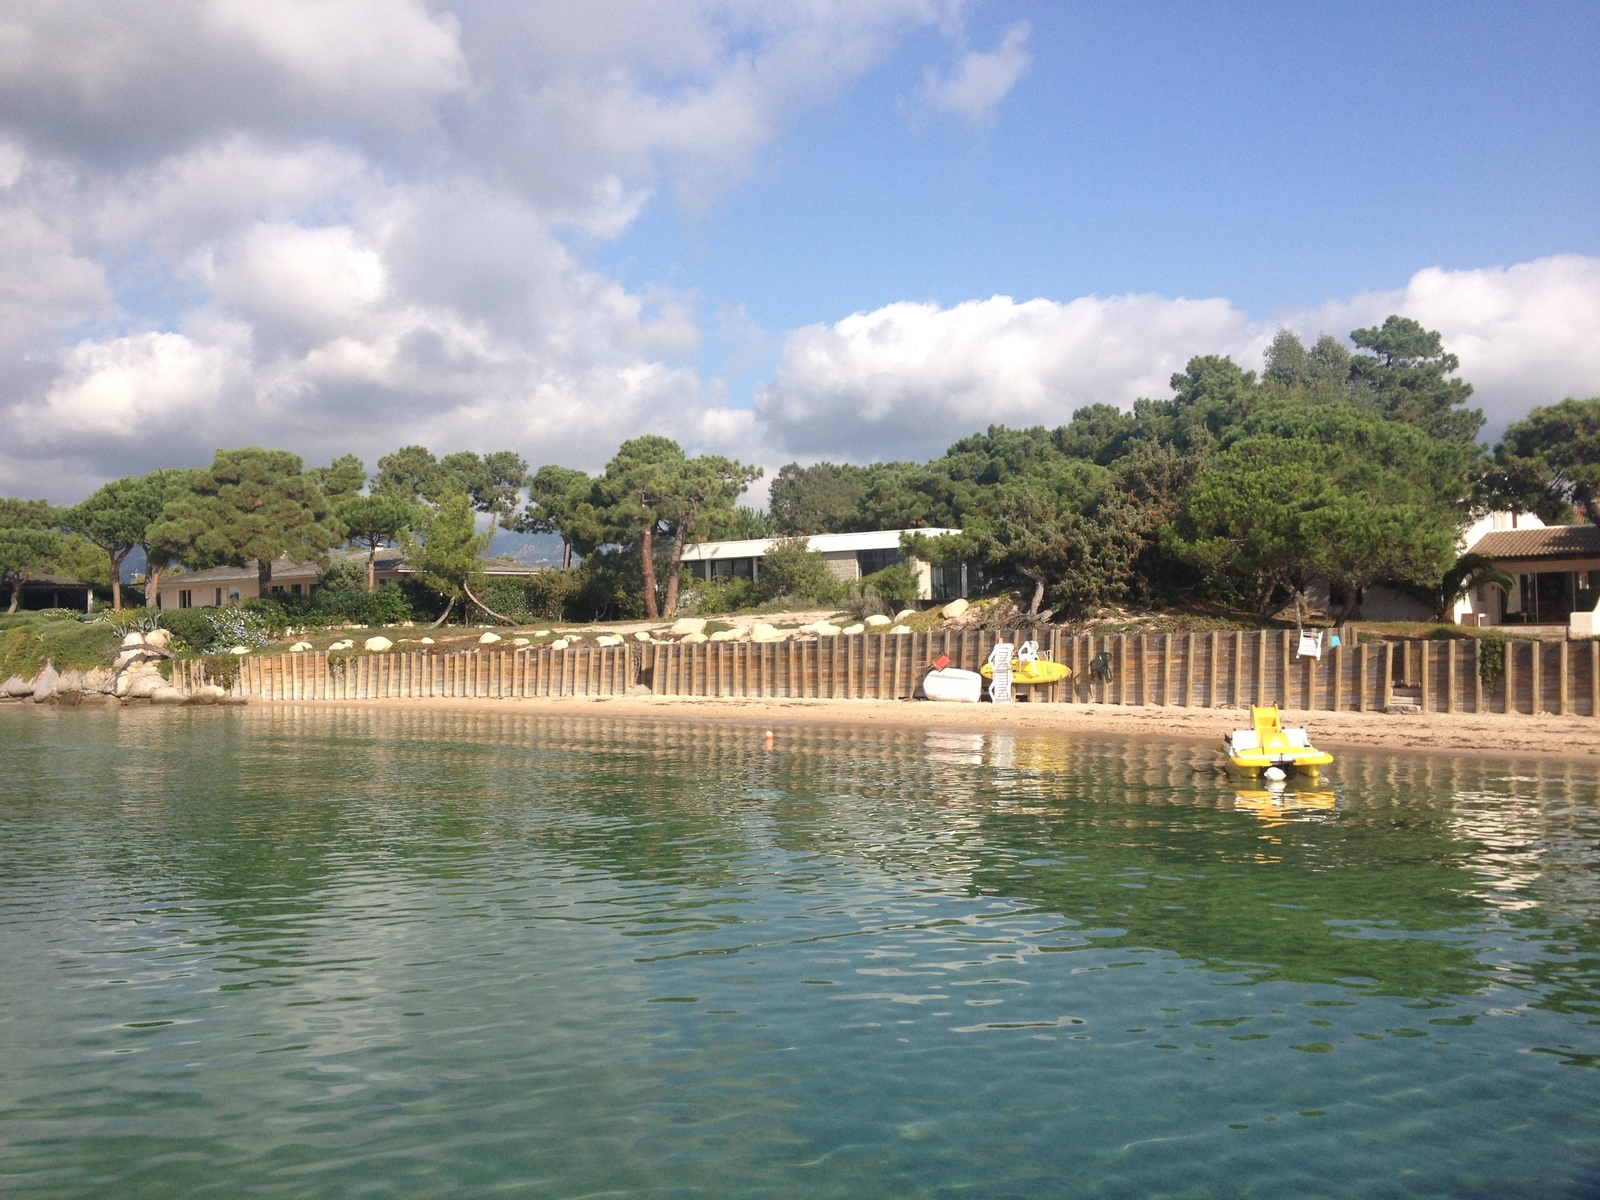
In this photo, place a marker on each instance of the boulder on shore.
(208, 693)
(16, 687)
(876, 620)
(694, 639)
(44, 683)
(954, 609)
(161, 639)
(489, 639)
(904, 613)
(898, 629)
(852, 630)
(166, 694)
(724, 635)
(377, 644)
(608, 639)
(684, 626)
(825, 629)
(141, 687)
(763, 632)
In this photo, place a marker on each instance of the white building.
(850, 557)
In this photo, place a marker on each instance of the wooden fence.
(1201, 670)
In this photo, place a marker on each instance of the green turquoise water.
(364, 953)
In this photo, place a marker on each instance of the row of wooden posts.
(1202, 670)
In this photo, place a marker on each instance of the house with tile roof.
(1556, 569)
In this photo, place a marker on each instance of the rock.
(897, 629)
(694, 639)
(489, 639)
(71, 682)
(44, 683)
(519, 641)
(425, 641)
(539, 633)
(877, 620)
(142, 687)
(208, 693)
(347, 644)
(763, 632)
(642, 636)
(559, 644)
(16, 687)
(608, 639)
(126, 658)
(167, 694)
(239, 650)
(852, 630)
(299, 647)
(825, 629)
(377, 644)
(133, 638)
(159, 638)
(640, 689)
(684, 626)
(97, 679)
(954, 609)
(904, 613)
(724, 635)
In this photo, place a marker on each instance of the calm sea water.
(368, 953)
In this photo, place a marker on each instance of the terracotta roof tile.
(1556, 541)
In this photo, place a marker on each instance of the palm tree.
(1468, 572)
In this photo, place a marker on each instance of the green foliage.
(29, 640)
(896, 585)
(343, 574)
(411, 473)
(374, 521)
(382, 606)
(740, 524)
(823, 498)
(191, 628)
(117, 519)
(76, 557)
(340, 481)
(252, 504)
(563, 501)
(1491, 658)
(1404, 379)
(791, 569)
(28, 542)
(444, 554)
(543, 596)
(1551, 458)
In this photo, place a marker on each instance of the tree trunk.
(488, 547)
(485, 607)
(16, 594)
(1349, 607)
(372, 565)
(675, 562)
(444, 614)
(647, 564)
(1038, 593)
(116, 578)
(152, 583)
(263, 577)
(566, 555)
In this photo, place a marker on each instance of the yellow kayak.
(1040, 670)
(1269, 744)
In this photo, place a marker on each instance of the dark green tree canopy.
(117, 518)
(374, 521)
(28, 542)
(342, 480)
(1405, 379)
(1551, 458)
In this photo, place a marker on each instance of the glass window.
(219, 597)
(873, 561)
(295, 588)
(233, 593)
(185, 598)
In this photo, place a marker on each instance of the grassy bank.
(30, 639)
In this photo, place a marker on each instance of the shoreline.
(1571, 738)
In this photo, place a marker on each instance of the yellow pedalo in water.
(1271, 749)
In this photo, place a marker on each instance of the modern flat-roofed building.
(850, 557)
(218, 586)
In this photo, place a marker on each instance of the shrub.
(384, 606)
(897, 585)
(1491, 657)
(25, 646)
(792, 568)
(720, 595)
(542, 596)
(190, 626)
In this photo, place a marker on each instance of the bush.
(897, 585)
(1491, 657)
(792, 568)
(192, 627)
(26, 645)
(384, 606)
(720, 595)
(540, 597)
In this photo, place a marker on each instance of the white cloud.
(908, 379)
(980, 80)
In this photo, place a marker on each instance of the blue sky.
(1278, 155)
(777, 229)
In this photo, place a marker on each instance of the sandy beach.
(1572, 738)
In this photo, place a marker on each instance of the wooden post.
(1388, 674)
(1594, 678)
(1536, 680)
(1450, 676)
(1211, 663)
(1425, 674)
(1506, 680)
(1188, 669)
(1166, 669)
(1561, 697)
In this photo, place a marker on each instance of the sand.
(1571, 738)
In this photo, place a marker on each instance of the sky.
(782, 230)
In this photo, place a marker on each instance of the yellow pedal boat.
(1269, 744)
(1040, 670)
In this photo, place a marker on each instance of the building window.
(733, 568)
(219, 598)
(872, 561)
(233, 595)
(295, 588)
(277, 589)
(185, 598)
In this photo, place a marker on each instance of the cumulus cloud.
(906, 380)
(974, 89)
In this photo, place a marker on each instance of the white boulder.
(45, 683)
(852, 630)
(608, 639)
(684, 626)
(825, 629)
(877, 620)
(538, 633)
(299, 647)
(133, 638)
(141, 687)
(954, 609)
(559, 644)
(16, 687)
(377, 644)
(488, 639)
(898, 629)
(167, 694)
(208, 693)
(904, 613)
(240, 650)
(347, 644)
(725, 635)
(159, 638)
(425, 641)
(519, 641)
(642, 636)
(763, 632)
(694, 639)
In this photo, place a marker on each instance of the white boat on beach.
(953, 684)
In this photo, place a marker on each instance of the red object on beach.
(941, 662)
